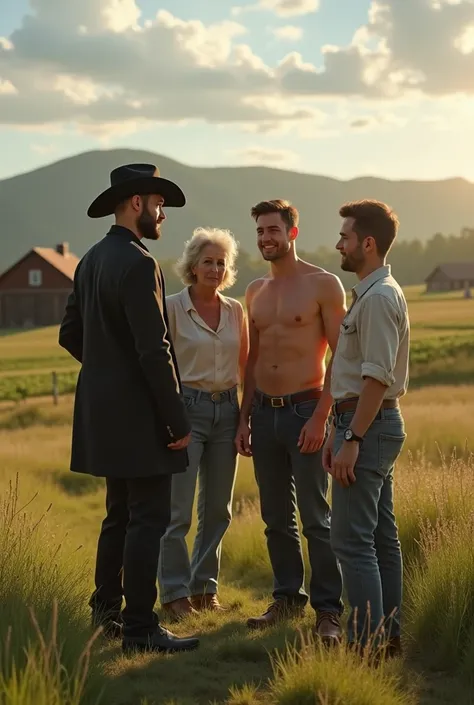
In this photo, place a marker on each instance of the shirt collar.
(125, 232)
(188, 304)
(367, 282)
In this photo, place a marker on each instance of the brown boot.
(178, 609)
(328, 628)
(276, 612)
(207, 602)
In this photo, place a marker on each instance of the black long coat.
(128, 403)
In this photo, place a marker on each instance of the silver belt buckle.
(216, 396)
(277, 402)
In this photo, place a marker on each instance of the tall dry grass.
(47, 556)
(46, 639)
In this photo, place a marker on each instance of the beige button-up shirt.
(207, 359)
(374, 339)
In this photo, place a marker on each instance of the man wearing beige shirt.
(369, 375)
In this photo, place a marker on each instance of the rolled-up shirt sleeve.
(379, 338)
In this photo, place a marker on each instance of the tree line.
(411, 261)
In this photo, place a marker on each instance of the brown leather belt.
(344, 405)
(288, 399)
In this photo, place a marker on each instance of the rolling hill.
(48, 205)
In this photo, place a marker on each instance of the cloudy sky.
(336, 87)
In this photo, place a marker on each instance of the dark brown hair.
(372, 219)
(288, 213)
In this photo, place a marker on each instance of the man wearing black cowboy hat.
(130, 424)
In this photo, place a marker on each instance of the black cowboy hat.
(131, 179)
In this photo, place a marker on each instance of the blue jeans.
(364, 532)
(212, 456)
(288, 479)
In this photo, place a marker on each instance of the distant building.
(34, 290)
(450, 277)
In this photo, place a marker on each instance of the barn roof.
(60, 258)
(66, 264)
(455, 270)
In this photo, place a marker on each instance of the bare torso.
(292, 343)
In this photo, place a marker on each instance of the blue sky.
(337, 87)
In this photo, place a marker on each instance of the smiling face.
(210, 269)
(274, 238)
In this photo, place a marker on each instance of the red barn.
(34, 290)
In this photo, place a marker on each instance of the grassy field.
(48, 551)
(50, 518)
(442, 350)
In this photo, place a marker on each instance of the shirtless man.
(294, 313)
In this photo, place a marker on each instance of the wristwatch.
(349, 435)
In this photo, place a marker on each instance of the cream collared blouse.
(207, 359)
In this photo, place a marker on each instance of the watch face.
(348, 434)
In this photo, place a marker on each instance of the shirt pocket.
(348, 341)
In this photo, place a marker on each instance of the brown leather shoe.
(276, 612)
(178, 609)
(207, 602)
(328, 628)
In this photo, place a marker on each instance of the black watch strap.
(349, 435)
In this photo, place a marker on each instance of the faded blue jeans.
(212, 457)
(288, 479)
(364, 532)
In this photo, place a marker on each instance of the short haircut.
(372, 219)
(194, 247)
(288, 213)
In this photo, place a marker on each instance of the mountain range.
(48, 205)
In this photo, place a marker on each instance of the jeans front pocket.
(234, 401)
(305, 409)
(189, 401)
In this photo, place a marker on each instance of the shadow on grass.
(77, 485)
(229, 657)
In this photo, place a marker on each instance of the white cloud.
(5, 44)
(7, 88)
(404, 48)
(465, 41)
(288, 33)
(256, 155)
(87, 16)
(91, 63)
(282, 8)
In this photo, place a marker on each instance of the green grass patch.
(441, 595)
(18, 387)
(45, 652)
(51, 362)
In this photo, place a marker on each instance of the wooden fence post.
(55, 388)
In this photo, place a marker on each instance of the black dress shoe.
(161, 641)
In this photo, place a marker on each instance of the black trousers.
(138, 513)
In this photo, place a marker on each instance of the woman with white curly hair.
(210, 337)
